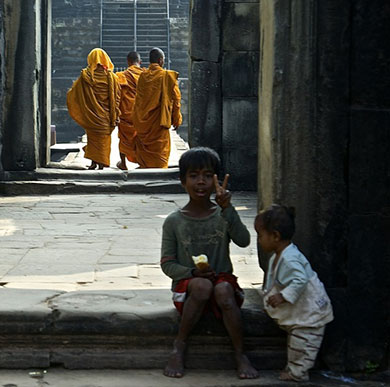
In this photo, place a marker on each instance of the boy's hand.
(222, 195)
(275, 300)
(208, 273)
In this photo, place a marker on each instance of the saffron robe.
(93, 102)
(128, 80)
(156, 109)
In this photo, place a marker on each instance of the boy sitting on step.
(203, 227)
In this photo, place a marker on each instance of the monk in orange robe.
(128, 80)
(93, 102)
(156, 109)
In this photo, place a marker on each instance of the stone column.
(323, 131)
(25, 75)
(205, 103)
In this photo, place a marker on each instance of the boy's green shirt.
(185, 236)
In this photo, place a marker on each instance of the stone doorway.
(118, 26)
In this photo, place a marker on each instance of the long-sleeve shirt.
(185, 236)
(293, 272)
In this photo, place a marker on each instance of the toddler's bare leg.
(224, 295)
(199, 290)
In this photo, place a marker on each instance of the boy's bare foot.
(284, 375)
(175, 366)
(244, 368)
(120, 165)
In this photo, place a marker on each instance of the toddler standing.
(293, 295)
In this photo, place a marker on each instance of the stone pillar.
(205, 103)
(24, 120)
(323, 130)
(224, 55)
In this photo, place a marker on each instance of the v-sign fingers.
(225, 181)
(216, 183)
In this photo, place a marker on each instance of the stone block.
(334, 347)
(241, 26)
(240, 73)
(205, 104)
(370, 55)
(205, 30)
(240, 122)
(369, 161)
(240, 163)
(368, 290)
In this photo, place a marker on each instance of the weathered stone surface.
(326, 156)
(240, 26)
(368, 289)
(238, 163)
(205, 105)
(205, 30)
(240, 123)
(240, 74)
(22, 127)
(239, 139)
(369, 180)
(370, 55)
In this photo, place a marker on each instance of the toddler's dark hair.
(278, 218)
(198, 158)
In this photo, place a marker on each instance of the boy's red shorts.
(180, 293)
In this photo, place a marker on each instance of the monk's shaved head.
(155, 55)
(133, 57)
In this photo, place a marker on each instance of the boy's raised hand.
(222, 195)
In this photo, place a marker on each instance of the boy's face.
(267, 240)
(199, 183)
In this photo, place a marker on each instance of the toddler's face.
(265, 238)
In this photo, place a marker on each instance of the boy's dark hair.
(198, 158)
(278, 218)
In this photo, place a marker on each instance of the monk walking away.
(128, 80)
(93, 102)
(195, 255)
(156, 109)
(293, 295)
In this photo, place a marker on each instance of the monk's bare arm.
(176, 114)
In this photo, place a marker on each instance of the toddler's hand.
(222, 195)
(275, 300)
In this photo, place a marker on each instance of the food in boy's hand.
(201, 262)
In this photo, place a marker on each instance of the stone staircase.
(134, 26)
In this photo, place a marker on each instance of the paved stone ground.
(151, 378)
(99, 242)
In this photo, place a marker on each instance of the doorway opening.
(117, 26)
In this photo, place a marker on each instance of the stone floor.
(99, 242)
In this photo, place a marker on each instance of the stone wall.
(75, 32)
(178, 38)
(324, 130)
(24, 123)
(224, 55)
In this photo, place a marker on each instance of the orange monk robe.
(156, 108)
(93, 102)
(128, 80)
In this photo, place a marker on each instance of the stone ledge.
(123, 329)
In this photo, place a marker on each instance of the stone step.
(127, 330)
